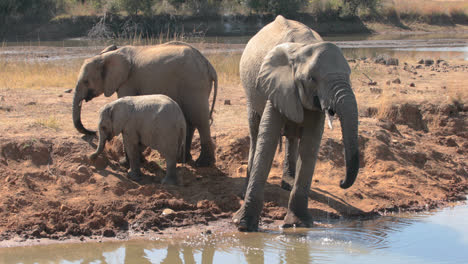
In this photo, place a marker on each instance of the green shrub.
(132, 7)
(284, 7)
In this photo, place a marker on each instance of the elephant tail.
(214, 79)
(181, 152)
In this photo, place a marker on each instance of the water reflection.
(440, 237)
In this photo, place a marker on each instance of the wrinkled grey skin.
(154, 121)
(292, 80)
(174, 69)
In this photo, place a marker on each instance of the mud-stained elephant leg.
(132, 149)
(171, 176)
(124, 160)
(254, 123)
(207, 157)
(188, 142)
(247, 217)
(289, 165)
(309, 144)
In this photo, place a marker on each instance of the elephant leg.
(188, 142)
(248, 216)
(124, 160)
(132, 149)
(289, 165)
(254, 123)
(171, 176)
(207, 157)
(311, 136)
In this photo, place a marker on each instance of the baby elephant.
(154, 121)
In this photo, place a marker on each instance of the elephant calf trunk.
(102, 143)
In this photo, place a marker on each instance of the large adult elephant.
(175, 69)
(293, 80)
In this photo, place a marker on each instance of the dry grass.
(51, 122)
(38, 74)
(227, 67)
(428, 7)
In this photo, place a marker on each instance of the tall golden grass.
(227, 67)
(34, 74)
(38, 74)
(428, 7)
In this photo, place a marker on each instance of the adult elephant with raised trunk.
(174, 69)
(293, 81)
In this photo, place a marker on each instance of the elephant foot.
(170, 181)
(188, 158)
(135, 176)
(124, 162)
(293, 220)
(287, 182)
(93, 157)
(244, 222)
(204, 162)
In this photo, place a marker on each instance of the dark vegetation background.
(57, 19)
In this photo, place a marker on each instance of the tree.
(133, 6)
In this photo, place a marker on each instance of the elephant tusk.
(329, 120)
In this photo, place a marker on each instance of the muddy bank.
(51, 190)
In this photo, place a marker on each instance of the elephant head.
(111, 122)
(103, 73)
(295, 76)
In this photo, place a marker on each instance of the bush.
(30, 8)
(277, 7)
(353, 7)
(133, 6)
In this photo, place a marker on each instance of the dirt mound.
(54, 189)
(51, 185)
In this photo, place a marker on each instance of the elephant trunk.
(346, 108)
(77, 101)
(102, 144)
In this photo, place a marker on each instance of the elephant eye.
(86, 82)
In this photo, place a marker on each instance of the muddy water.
(437, 237)
(435, 46)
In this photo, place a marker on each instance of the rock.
(352, 61)
(68, 91)
(397, 81)
(428, 62)
(227, 102)
(392, 61)
(439, 61)
(375, 90)
(421, 61)
(380, 60)
(167, 211)
(412, 85)
(419, 67)
(451, 142)
(64, 208)
(108, 233)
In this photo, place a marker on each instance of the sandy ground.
(412, 160)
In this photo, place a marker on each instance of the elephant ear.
(276, 81)
(109, 48)
(115, 71)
